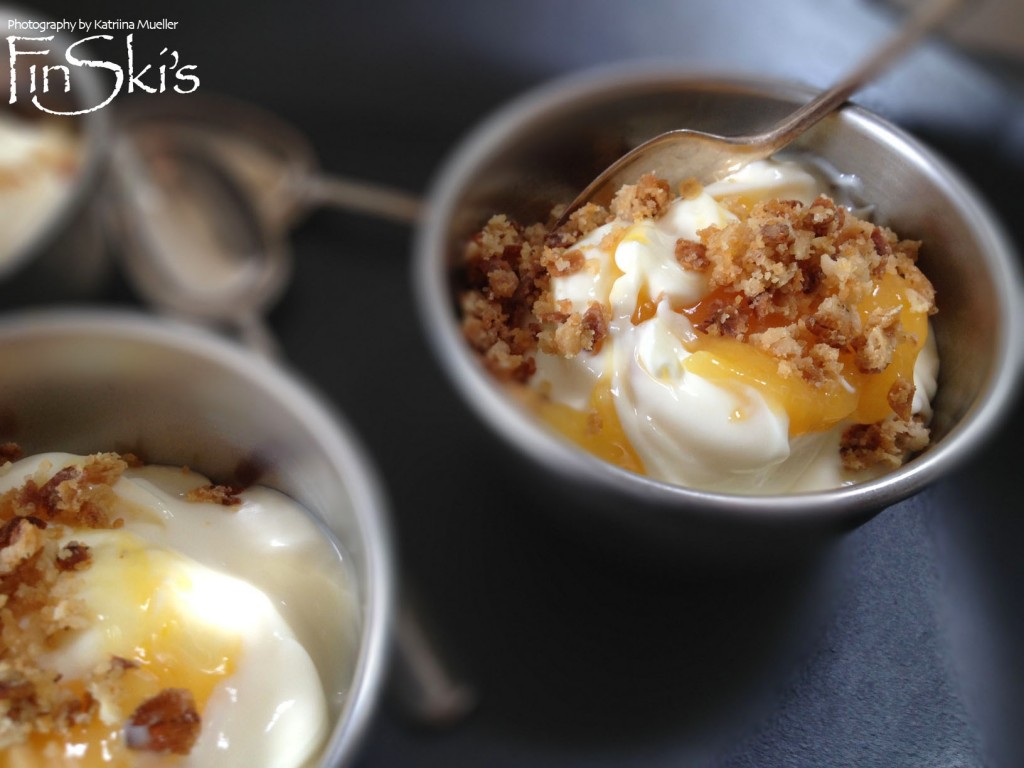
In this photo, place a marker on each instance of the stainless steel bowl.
(544, 147)
(93, 381)
(66, 257)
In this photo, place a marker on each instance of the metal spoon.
(269, 157)
(684, 154)
(191, 240)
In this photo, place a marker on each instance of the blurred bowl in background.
(51, 240)
(84, 382)
(547, 145)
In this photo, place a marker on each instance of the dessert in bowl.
(539, 151)
(752, 337)
(223, 602)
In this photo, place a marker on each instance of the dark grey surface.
(900, 648)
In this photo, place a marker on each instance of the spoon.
(192, 243)
(274, 162)
(684, 154)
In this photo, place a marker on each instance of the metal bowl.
(92, 381)
(545, 146)
(65, 257)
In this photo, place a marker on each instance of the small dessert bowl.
(544, 147)
(91, 381)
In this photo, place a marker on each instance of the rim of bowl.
(94, 128)
(487, 399)
(340, 446)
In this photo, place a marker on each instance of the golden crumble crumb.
(9, 452)
(506, 364)
(901, 398)
(691, 255)
(560, 262)
(595, 326)
(502, 281)
(885, 442)
(212, 493)
(552, 311)
(79, 496)
(167, 722)
(834, 323)
(132, 460)
(569, 336)
(647, 199)
(586, 219)
(876, 344)
(73, 556)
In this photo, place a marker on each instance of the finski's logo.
(31, 77)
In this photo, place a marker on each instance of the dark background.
(899, 647)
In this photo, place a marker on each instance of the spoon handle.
(927, 15)
(351, 195)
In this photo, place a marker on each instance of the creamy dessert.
(150, 618)
(38, 161)
(750, 337)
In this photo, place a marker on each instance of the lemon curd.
(596, 429)
(862, 398)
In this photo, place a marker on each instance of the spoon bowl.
(675, 156)
(192, 238)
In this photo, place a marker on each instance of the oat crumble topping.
(786, 278)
